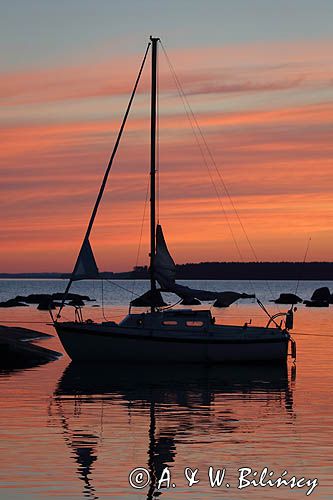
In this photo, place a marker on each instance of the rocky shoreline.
(45, 301)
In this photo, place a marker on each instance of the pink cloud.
(274, 67)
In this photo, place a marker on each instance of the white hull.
(85, 342)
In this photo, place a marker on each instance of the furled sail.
(86, 267)
(148, 299)
(222, 299)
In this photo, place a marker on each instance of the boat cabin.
(173, 319)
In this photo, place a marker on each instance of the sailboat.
(166, 335)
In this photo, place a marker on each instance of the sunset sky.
(258, 75)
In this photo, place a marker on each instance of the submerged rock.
(287, 298)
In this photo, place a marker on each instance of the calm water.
(75, 432)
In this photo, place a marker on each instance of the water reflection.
(181, 403)
(84, 447)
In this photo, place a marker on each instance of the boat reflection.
(87, 393)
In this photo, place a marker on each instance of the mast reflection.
(89, 389)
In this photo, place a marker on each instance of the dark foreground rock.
(19, 333)
(16, 350)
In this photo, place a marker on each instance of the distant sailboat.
(165, 335)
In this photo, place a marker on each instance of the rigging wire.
(104, 181)
(193, 122)
(103, 311)
(187, 107)
(301, 269)
(141, 233)
(121, 287)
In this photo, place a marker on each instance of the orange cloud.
(275, 156)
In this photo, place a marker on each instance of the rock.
(321, 297)
(321, 294)
(44, 299)
(316, 303)
(34, 298)
(76, 302)
(225, 299)
(19, 333)
(12, 303)
(46, 305)
(17, 351)
(71, 296)
(287, 298)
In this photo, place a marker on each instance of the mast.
(153, 164)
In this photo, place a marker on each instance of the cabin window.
(194, 323)
(169, 323)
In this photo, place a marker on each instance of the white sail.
(165, 267)
(165, 274)
(86, 266)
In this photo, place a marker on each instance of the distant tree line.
(320, 271)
